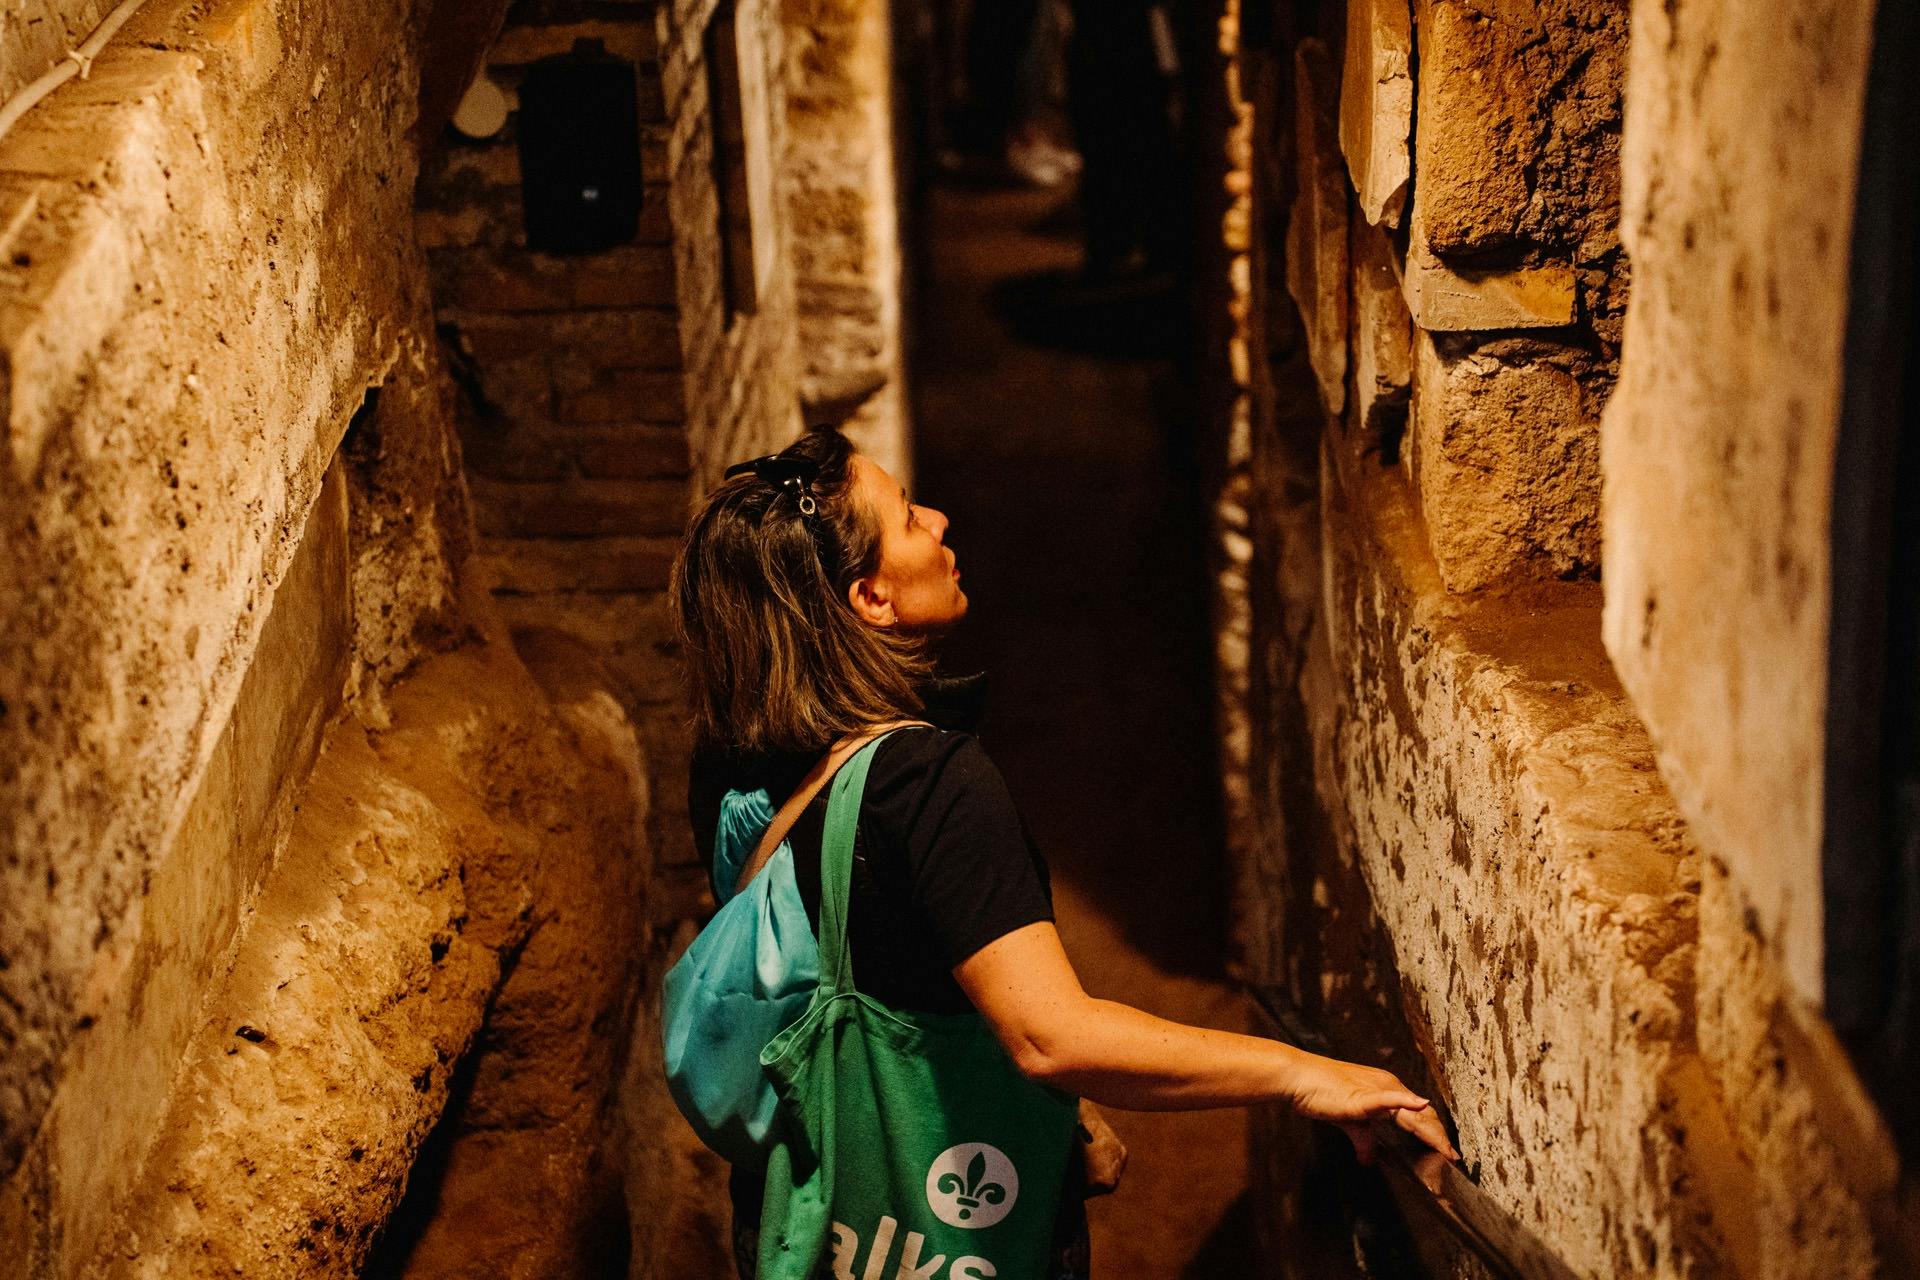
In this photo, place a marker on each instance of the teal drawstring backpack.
(748, 975)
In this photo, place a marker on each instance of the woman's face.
(917, 586)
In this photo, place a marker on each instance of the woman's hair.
(776, 657)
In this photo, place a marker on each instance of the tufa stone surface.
(422, 855)
(1719, 445)
(1376, 106)
(1504, 451)
(1317, 223)
(841, 201)
(114, 1086)
(540, 1099)
(1537, 885)
(166, 434)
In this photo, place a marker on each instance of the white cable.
(76, 62)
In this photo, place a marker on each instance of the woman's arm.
(1024, 986)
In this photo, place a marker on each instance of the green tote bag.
(910, 1147)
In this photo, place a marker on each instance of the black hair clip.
(785, 473)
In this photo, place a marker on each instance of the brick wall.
(604, 391)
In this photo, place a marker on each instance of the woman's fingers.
(1397, 1097)
(1426, 1126)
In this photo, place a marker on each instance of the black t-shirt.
(942, 864)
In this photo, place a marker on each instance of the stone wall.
(282, 805)
(1459, 851)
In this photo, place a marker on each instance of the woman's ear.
(868, 596)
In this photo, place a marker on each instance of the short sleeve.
(972, 874)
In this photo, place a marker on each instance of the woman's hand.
(1353, 1097)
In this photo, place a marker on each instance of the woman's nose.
(937, 521)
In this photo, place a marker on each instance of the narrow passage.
(1078, 534)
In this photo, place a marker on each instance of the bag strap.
(817, 777)
(836, 873)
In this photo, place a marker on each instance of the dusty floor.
(1079, 538)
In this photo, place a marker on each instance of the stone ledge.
(1527, 860)
(365, 969)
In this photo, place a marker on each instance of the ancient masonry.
(341, 763)
(1548, 845)
(342, 780)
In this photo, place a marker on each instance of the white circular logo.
(972, 1185)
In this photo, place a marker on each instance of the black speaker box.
(579, 139)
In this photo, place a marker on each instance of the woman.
(808, 592)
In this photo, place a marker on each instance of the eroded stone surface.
(840, 194)
(1317, 223)
(1504, 449)
(422, 853)
(539, 1101)
(1376, 106)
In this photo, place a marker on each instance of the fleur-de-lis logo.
(976, 1190)
(972, 1185)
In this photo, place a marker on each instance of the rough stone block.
(1317, 223)
(629, 276)
(521, 388)
(633, 630)
(1376, 106)
(329, 1048)
(1450, 298)
(1519, 110)
(115, 1087)
(1504, 449)
(627, 338)
(193, 312)
(1382, 333)
(634, 451)
(496, 279)
(75, 259)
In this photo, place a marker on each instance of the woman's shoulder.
(921, 773)
(924, 750)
